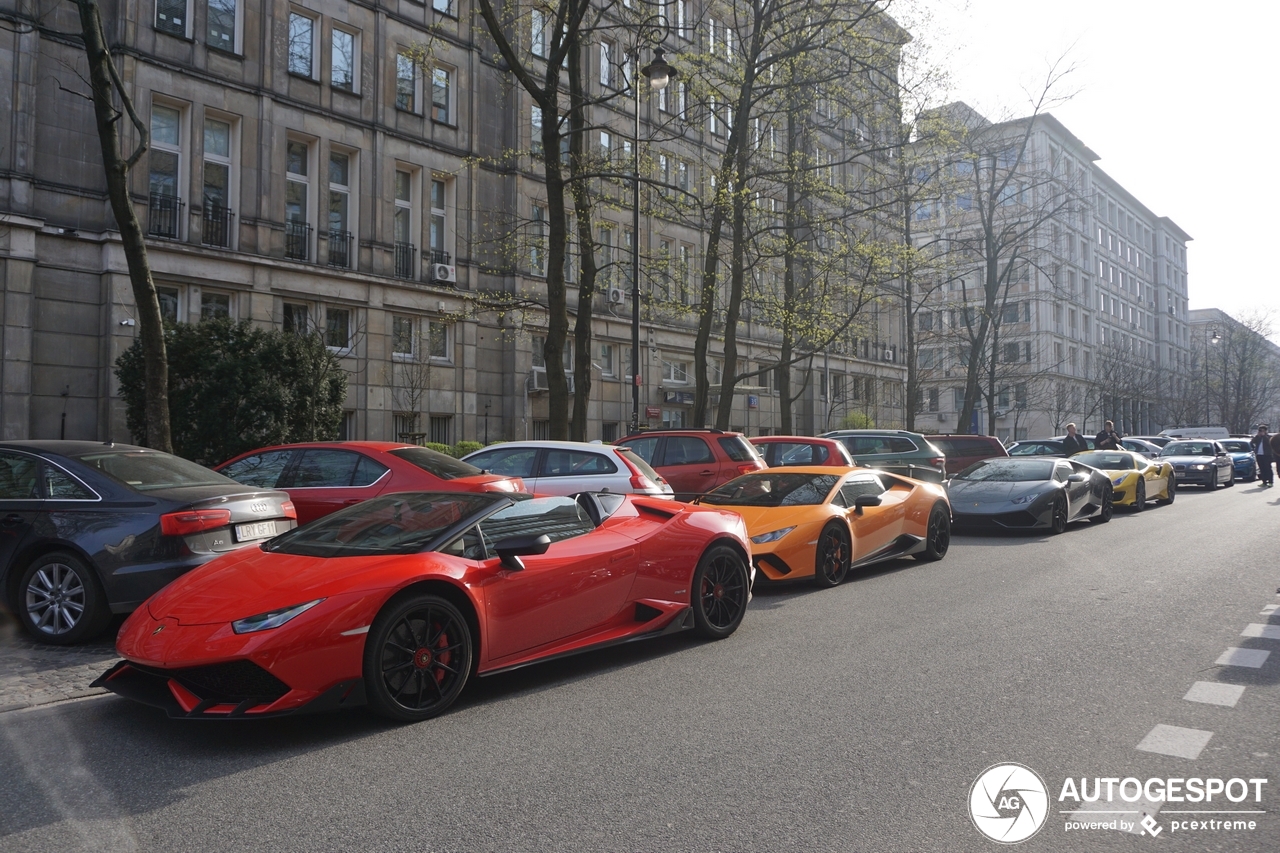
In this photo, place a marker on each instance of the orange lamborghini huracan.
(821, 522)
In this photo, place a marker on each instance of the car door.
(873, 527)
(1223, 461)
(579, 584)
(566, 472)
(1078, 493)
(689, 465)
(508, 461)
(320, 482)
(20, 503)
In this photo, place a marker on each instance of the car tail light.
(938, 461)
(749, 467)
(641, 483)
(289, 510)
(190, 521)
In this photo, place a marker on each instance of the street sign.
(753, 402)
(653, 411)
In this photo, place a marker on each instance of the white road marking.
(1269, 609)
(1267, 632)
(1254, 658)
(1132, 814)
(1175, 740)
(1214, 693)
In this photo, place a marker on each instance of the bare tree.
(1244, 372)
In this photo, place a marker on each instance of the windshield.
(1106, 461)
(1237, 446)
(1008, 471)
(404, 523)
(444, 467)
(147, 470)
(1188, 448)
(771, 489)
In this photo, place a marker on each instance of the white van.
(1214, 433)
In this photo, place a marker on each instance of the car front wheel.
(938, 534)
(1170, 489)
(417, 658)
(720, 592)
(1058, 515)
(1108, 509)
(60, 601)
(1140, 496)
(833, 555)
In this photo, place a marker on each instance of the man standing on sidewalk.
(1262, 449)
(1073, 443)
(1108, 439)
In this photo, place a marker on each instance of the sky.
(1175, 97)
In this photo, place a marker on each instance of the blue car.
(1242, 458)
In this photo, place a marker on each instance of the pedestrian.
(1073, 443)
(1262, 449)
(1275, 450)
(1108, 439)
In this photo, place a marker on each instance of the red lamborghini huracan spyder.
(397, 601)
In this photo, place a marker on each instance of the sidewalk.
(32, 673)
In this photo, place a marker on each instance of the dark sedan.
(90, 529)
(1026, 493)
(1199, 461)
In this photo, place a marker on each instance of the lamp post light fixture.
(1211, 337)
(659, 74)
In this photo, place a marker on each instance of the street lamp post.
(659, 74)
(1211, 337)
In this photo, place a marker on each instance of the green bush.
(235, 387)
(462, 448)
(857, 420)
(439, 448)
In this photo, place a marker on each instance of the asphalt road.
(853, 719)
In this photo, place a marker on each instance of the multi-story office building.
(349, 168)
(1091, 317)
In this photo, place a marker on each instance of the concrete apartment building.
(314, 167)
(1093, 320)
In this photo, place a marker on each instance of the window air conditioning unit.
(444, 273)
(888, 354)
(537, 380)
(615, 296)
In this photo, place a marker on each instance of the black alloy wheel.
(834, 554)
(1108, 508)
(1231, 477)
(720, 592)
(1058, 517)
(417, 658)
(1140, 496)
(937, 537)
(1170, 489)
(60, 601)
(1212, 484)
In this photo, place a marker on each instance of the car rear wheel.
(720, 592)
(60, 601)
(1170, 489)
(938, 535)
(1140, 496)
(1108, 509)
(833, 556)
(417, 658)
(1058, 516)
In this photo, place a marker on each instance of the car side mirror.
(862, 501)
(511, 550)
(1077, 478)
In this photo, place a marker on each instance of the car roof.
(535, 443)
(70, 447)
(776, 438)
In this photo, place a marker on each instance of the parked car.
(897, 451)
(397, 601)
(964, 450)
(1198, 461)
(569, 467)
(1138, 445)
(90, 529)
(821, 523)
(787, 450)
(695, 461)
(1244, 462)
(1044, 447)
(1023, 494)
(1157, 440)
(325, 476)
(1135, 479)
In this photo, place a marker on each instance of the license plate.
(256, 530)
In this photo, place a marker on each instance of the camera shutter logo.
(1008, 803)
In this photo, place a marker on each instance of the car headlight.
(1198, 467)
(1118, 480)
(771, 537)
(272, 618)
(1024, 499)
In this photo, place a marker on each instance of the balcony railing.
(340, 249)
(439, 257)
(216, 228)
(297, 240)
(164, 216)
(404, 260)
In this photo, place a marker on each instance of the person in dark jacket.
(1262, 449)
(1073, 443)
(1108, 439)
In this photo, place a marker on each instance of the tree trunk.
(583, 209)
(103, 81)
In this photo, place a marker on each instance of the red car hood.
(252, 581)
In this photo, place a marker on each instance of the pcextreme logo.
(1008, 803)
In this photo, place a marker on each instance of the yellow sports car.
(821, 522)
(1135, 479)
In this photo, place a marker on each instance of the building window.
(337, 328)
(441, 94)
(682, 175)
(438, 340)
(684, 267)
(439, 222)
(165, 207)
(535, 129)
(170, 303)
(216, 195)
(171, 17)
(539, 352)
(302, 45)
(402, 337)
(538, 241)
(345, 60)
(347, 427)
(675, 371)
(296, 319)
(538, 33)
(441, 429)
(444, 7)
(606, 360)
(340, 226)
(402, 225)
(214, 305)
(297, 202)
(606, 257)
(222, 24)
(606, 64)
(407, 80)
